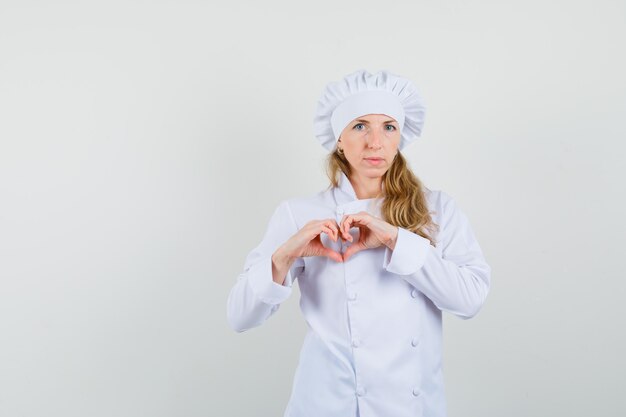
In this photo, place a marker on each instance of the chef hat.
(361, 93)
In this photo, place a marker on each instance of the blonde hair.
(404, 204)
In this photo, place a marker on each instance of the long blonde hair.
(404, 202)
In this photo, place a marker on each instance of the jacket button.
(416, 392)
(352, 296)
(414, 293)
(355, 343)
(415, 342)
(360, 391)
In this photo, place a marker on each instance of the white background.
(144, 145)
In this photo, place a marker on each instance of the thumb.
(335, 256)
(352, 249)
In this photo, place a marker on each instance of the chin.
(376, 169)
(374, 172)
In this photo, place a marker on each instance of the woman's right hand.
(305, 242)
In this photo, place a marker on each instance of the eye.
(392, 128)
(359, 126)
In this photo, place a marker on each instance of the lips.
(374, 161)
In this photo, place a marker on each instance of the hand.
(307, 241)
(373, 232)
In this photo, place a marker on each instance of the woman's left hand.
(373, 232)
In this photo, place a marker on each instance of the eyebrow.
(367, 122)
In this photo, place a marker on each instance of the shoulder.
(304, 208)
(306, 202)
(437, 200)
(444, 208)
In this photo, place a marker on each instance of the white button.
(352, 296)
(416, 392)
(414, 293)
(415, 341)
(360, 391)
(355, 343)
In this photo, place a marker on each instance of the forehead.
(374, 118)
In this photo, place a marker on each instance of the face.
(370, 144)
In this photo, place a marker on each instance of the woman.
(378, 257)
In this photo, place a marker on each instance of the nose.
(373, 139)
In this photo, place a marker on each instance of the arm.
(459, 280)
(255, 295)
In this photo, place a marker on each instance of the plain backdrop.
(145, 144)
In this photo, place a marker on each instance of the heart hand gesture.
(374, 232)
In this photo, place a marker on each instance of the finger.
(343, 234)
(313, 229)
(334, 234)
(335, 256)
(327, 230)
(331, 223)
(326, 227)
(347, 226)
(361, 218)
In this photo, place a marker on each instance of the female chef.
(377, 256)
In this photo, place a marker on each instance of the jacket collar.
(346, 187)
(347, 202)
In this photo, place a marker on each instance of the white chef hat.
(361, 93)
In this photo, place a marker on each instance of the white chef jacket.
(373, 346)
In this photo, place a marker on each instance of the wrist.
(391, 242)
(281, 263)
(282, 259)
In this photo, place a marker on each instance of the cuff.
(263, 285)
(408, 255)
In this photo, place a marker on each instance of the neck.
(366, 187)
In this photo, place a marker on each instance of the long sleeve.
(457, 281)
(255, 296)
